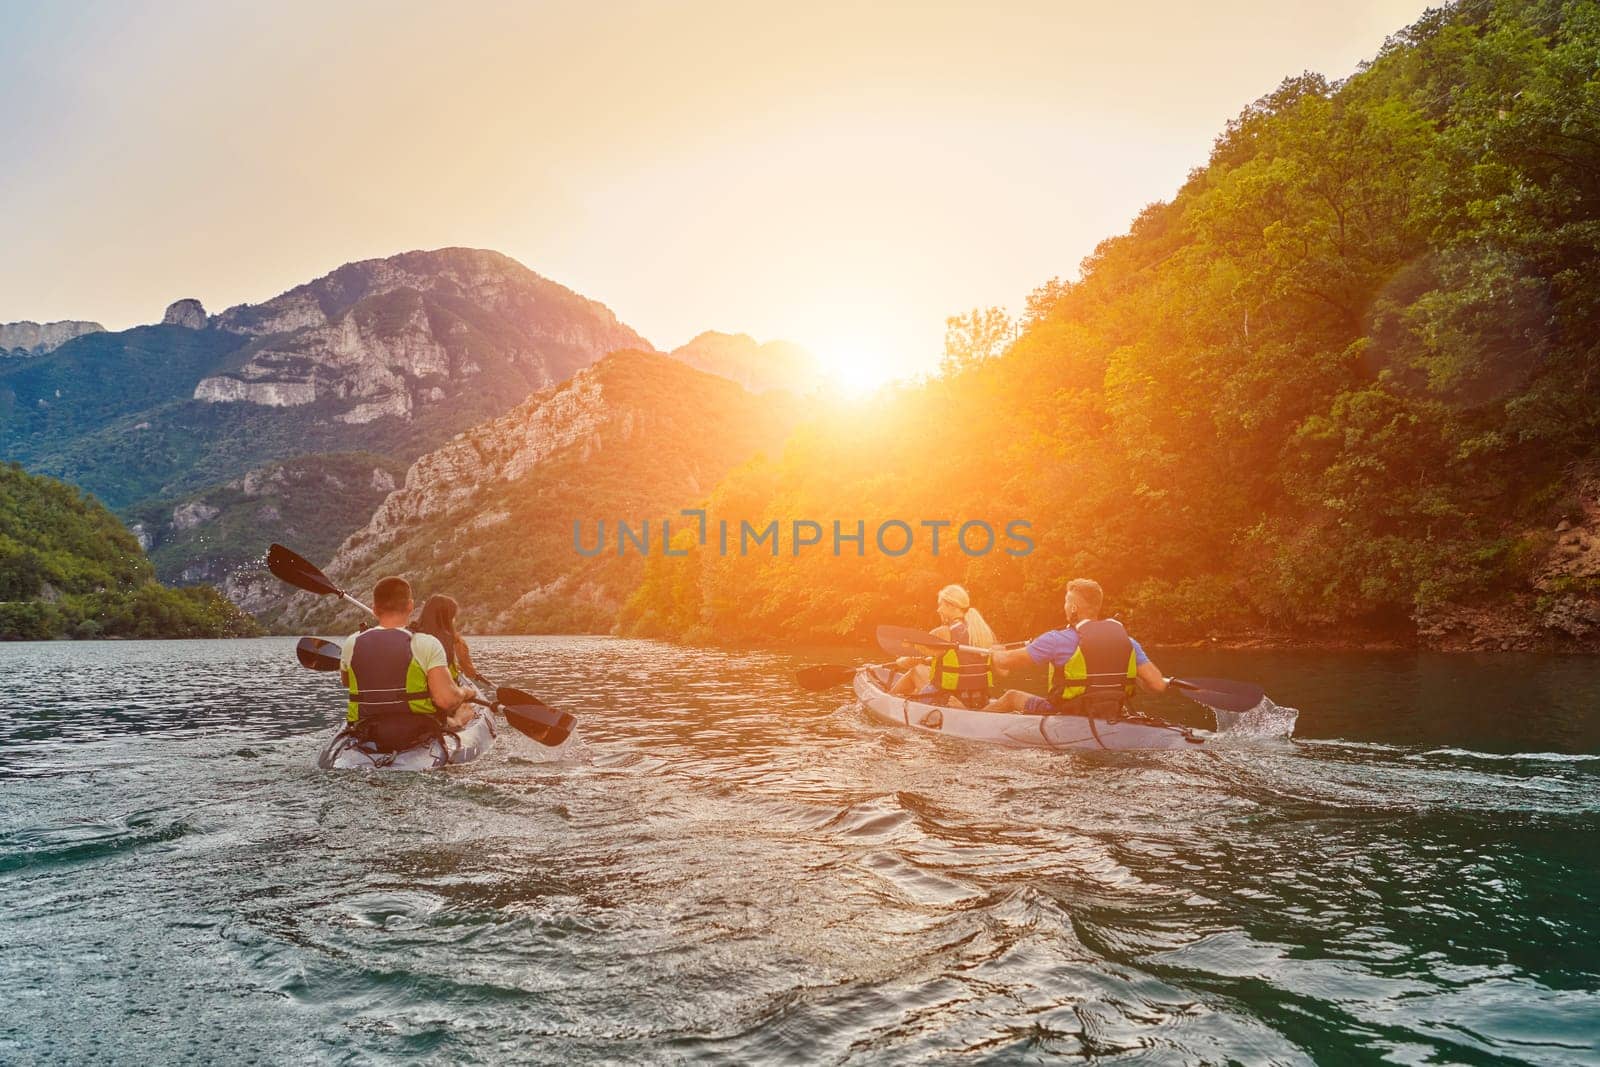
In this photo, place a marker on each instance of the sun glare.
(855, 368)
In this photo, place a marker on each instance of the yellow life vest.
(955, 671)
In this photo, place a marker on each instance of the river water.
(722, 868)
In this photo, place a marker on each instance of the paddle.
(317, 654)
(897, 641)
(905, 641)
(1219, 693)
(532, 717)
(294, 569)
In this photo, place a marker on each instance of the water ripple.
(724, 869)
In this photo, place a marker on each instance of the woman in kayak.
(951, 673)
(438, 617)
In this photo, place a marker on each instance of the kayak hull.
(345, 753)
(1056, 732)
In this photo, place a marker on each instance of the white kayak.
(1019, 731)
(347, 753)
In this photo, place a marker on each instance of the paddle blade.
(905, 641)
(294, 569)
(532, 717)
(317, 654)
(1221, 693)
(822, 676)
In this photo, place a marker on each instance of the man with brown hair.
(400, 685)
(1094, 664)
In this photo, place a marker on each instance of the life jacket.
(384, 677)
(966, 674)
(1099, 678)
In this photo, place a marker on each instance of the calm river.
(720, 867)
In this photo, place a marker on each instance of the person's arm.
(447, 696)
(1151, 678)
(464, 658)
(1007, 659)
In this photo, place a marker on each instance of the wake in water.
(1265, 720)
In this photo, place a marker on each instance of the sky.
(841, 175)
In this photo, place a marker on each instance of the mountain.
(1341, 388)
(69, 568)
(389, 357)
(311, 502)
(756, 366)
(23, 339)
(489, 517)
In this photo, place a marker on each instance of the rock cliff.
(188, 313)
(37, 338)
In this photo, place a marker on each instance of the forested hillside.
(68, 568)
(1346, 383)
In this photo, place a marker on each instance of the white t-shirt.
(425, 649)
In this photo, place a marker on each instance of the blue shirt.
(1057, 647)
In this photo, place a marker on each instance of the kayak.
(1130, 732)
(346, 753)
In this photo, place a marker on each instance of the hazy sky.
(842, 175)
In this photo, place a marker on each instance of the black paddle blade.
(294, 569)
(317, 654)
(544, 724)
(905, 641)
(822, 676)
(532, 717)
(1222, 693)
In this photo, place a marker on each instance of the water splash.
(1264, 721)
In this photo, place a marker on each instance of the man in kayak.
(400, 685)
(1094, 664)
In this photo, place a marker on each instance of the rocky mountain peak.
(756, 366)
(188, 313)
(397, 336)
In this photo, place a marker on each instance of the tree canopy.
(1340, 380)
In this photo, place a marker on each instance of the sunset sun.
(856, 366)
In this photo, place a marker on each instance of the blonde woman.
(963, 675)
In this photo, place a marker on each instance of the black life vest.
(1099, 678)
(384, 677)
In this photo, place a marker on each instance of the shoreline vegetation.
(1341, 383)
(69, 569)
